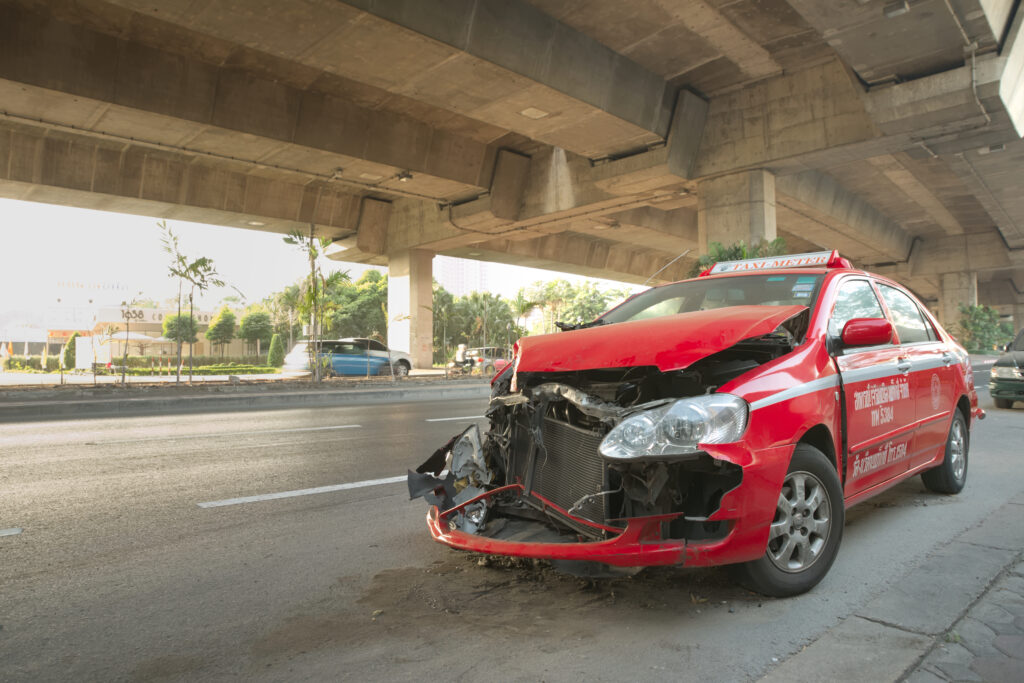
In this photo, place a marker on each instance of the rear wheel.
(401, 368)
(1003, 403)
(805, 532)
(951, 475)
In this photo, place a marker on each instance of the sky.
(50, 253)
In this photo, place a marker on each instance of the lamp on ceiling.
(896, 9)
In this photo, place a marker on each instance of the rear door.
(933, 381)
(879, 408)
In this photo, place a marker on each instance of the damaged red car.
(729, 419)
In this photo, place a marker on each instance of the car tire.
(805, 532)
(401, 368)
(951, 475)
(1003, 403)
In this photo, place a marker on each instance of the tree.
(256, 327)
(521, 306)
(182, 329)
(737, 252)
(222, 328)
(359, 308)
(69, 351)
(198, 273)
(313, 248)
(444, 317)
(584, 304)
(981, 328)
(275, 357)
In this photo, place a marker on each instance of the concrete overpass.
(595, 136)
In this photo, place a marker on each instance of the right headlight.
(677, 428)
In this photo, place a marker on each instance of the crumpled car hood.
(671, 342)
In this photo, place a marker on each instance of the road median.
(60, 403)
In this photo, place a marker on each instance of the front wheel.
(1003, 403)
(951, 475)
(401, 368)
(806, 531)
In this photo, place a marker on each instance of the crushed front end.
(551, 478)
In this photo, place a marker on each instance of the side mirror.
(867, 332)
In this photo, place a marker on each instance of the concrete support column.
(956, 289)
(736, 208)
(410, 305)
(1018, 317)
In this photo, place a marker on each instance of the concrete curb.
(110, 406)
(886, 639)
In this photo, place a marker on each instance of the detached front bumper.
(747, 511)
(638, 545)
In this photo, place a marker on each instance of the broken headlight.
(677, 428)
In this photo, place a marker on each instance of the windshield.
(710, 293)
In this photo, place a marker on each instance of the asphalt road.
(118, 573)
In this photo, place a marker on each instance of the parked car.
(1006, 382)
(729, 419)
(350, 356)
(489, 359)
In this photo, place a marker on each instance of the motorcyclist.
(462, 360)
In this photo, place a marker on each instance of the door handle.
(947, 359)
(903, 365)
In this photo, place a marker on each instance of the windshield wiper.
(566, 327)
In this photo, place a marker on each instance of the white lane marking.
(302, 492)
(449, 419)
(10, 532)
(207, 436)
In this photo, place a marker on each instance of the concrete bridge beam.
(736, 208)
(956, 289)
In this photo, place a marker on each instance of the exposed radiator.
(570, 468)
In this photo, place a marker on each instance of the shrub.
(276, 356)
(69, 351)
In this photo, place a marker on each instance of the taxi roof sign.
(828, 259)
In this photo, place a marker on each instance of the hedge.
(202, 370)
(32, 363)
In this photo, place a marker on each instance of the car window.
(348, 348)
(377, 346)
(328, 347)
(704, 294)
(910, 325)
(855, 299)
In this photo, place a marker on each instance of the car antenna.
(667, 265)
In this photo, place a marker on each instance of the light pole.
(124, 360)
(126, 314)
(60, 360)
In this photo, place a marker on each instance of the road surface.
(130, 566)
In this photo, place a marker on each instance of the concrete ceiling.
(529, 131)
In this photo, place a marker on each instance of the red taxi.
(724, 420)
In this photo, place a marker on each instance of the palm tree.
(521, 306)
